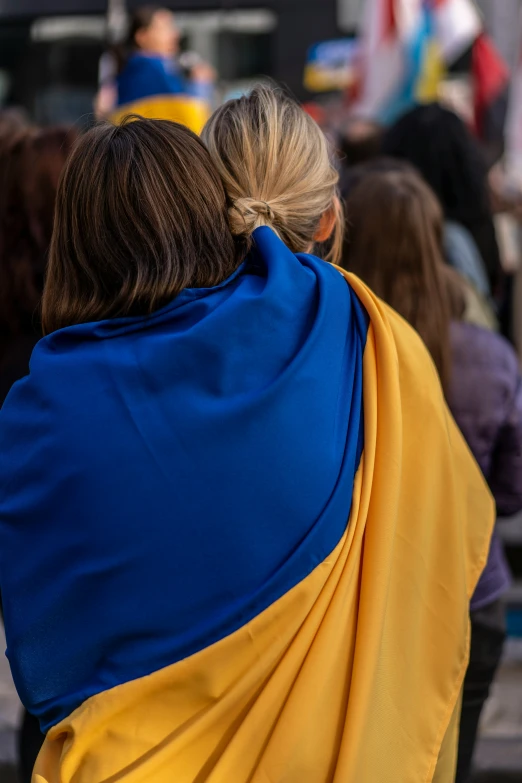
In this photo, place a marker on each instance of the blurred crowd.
(420, 229)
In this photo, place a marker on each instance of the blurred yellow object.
(185, 109)
(323, 80)
(432, 73)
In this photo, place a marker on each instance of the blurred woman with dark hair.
(29, 171)
(402, 262)
(31, 162)
(437, 142)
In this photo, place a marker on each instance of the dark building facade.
(54, 72)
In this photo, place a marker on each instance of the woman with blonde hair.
(411, 548)
(275, 164)
(224, 555)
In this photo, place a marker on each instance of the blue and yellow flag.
(238, 538)
(151, 87)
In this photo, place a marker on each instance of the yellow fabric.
(432, 73)
(354, 676)
(187, 110)
(447, 761)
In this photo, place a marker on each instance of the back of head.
(275, 163)
(394, 244)
(438, 143)
(141, 214)
(360, 141)
(31, 167)
(378, 165)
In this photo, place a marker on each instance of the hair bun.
(246, 214)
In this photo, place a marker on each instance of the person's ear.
(326, 224)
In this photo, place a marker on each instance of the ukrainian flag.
(187, 110)
(238, 538)
(150, 87)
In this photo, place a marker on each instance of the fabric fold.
(336, 651)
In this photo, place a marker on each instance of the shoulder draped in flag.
(238, 539)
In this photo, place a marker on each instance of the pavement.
(499, 753)
(10, 710)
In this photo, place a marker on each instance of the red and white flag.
(381, 61)
(457, 24)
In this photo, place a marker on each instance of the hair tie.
(252, 206)
(269, 210)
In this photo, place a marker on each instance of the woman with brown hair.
(402, 262)
(205, 539)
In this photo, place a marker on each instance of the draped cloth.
(238, 539)
(152, 87)
(188, 110)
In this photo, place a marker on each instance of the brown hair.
(277, 168)
(141, 214)
(141, 19)
(30, 169)
(394, 243)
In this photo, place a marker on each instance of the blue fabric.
(164, 479)
(146, 75)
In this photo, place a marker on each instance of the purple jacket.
(486, 401)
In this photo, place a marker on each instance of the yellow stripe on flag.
(432, 73)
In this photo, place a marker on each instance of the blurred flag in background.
(490, 81)
(406, 47)
(331, 65)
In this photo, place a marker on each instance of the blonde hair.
(275, 163)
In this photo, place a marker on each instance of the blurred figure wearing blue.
(152, 81)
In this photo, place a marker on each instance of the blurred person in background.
(478, 309)
(12, 122)
(438, 143)
(31, 161)
(30, 167)
(403, 263)
(359, 141)
(230, 586)
(150, 79)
